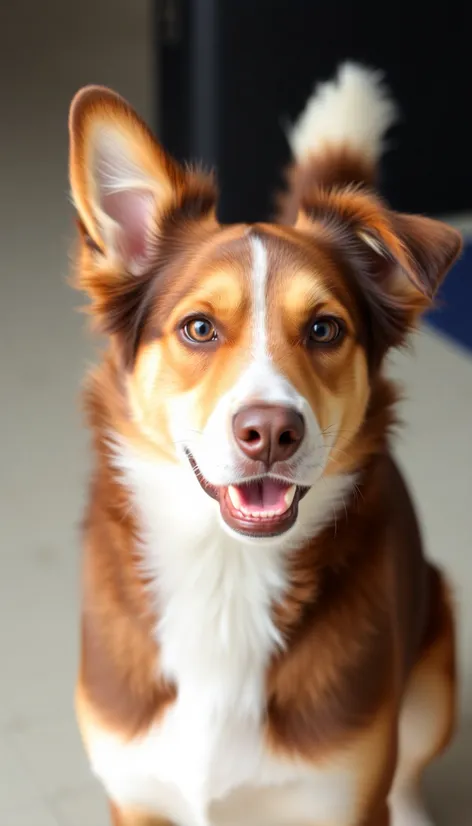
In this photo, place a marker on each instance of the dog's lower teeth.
(263, 514)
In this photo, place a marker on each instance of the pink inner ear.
(132, 210)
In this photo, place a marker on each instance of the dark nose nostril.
(287, 438)
(268, 433)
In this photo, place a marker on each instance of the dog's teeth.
(234, 496)
(290, 495)
(238, 504)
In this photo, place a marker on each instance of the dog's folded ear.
(123, 183)
(417, 253)
(397, 260)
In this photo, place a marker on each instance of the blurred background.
(218, 80)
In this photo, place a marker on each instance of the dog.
(263, 641)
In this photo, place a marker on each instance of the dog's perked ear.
(123, 183)
(397, 261)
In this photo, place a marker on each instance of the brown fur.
(336, 167)
(359, 569)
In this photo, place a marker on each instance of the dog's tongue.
(266, 497)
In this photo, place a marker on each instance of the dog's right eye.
(200, 331)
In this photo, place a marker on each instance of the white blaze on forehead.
(261, 381)
(259, 279)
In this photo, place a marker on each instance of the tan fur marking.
(129, 818)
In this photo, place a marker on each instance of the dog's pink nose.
(268, 433)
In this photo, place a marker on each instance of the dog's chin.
(260, 508)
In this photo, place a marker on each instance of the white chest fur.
(216, 635)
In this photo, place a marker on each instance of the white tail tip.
(354, 110)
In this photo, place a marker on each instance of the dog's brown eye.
(200, 331)
(325, 330)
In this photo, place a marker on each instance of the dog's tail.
(339, 137)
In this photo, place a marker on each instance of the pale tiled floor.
(49, 50)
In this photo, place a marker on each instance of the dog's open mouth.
(262, 507)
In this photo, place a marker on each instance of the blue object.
(452, 314)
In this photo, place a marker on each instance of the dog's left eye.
(200, 331)
(325, 330)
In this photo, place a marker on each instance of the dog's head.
(247, 354)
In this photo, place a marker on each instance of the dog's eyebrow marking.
(259, 278)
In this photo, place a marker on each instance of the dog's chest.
(207, 761)
(216, 637)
